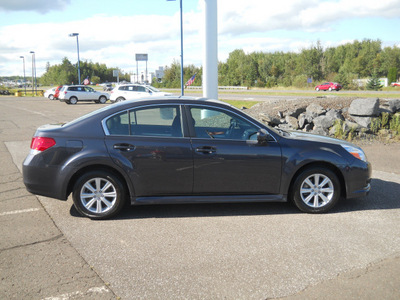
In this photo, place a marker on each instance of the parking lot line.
(14, 212)
(93, 290)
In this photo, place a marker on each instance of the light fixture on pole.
(23, 60)
(77, 47)
(182, 85)
(33, 71)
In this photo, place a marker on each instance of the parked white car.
(50, 93)
(134, 91)
(71, 94)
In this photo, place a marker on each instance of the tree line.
(66, 72)
(310, 66)
(344, 63)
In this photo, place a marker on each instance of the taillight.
(42, 143)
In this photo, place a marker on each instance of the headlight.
(356, 152)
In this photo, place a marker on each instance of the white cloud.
(40, 6)
(114, 40)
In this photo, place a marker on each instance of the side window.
(219, 124)
(161, 121)
(118, 124)
(141, 89)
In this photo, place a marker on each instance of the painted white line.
(14, 212)
(98, 290)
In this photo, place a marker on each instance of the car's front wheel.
(99, 194)
(119, 99)
(316, 190)
(51, 97)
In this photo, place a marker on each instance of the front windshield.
(153, 89)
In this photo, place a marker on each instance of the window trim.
(191, 126)
(184, 124)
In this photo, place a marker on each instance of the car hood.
(296, 135)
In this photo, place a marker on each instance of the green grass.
(240, 104)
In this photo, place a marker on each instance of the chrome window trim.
(181, 105)
(230, 111)
(107, 133)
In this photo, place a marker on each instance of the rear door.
(149, 143)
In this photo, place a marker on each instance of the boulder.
(315, 110)
(364, 107)
(394, 105)
(292, 121)
(362, 121)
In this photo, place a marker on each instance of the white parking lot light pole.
(23, 60)
(77, 47)
(33, 72)
(182, 84)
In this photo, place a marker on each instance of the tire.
(317, 89)
(119, 99)
(316, 190)
(73, 100)
(67, 101)
(103, 99)
(99, 194)
(51, 97)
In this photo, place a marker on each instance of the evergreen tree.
(374, 83)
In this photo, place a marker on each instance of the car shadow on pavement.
(384, 195)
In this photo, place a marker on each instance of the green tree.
(374, 83)
(392, 75)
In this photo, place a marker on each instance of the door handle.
(124, 147)
(206, 149)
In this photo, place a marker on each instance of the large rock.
(315, 110)
(394, 105)
(362, 121)
(292, 121)
(364, 107)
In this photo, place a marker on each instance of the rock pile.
(314, 118)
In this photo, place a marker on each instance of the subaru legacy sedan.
(188, 150)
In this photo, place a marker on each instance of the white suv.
(134, 91)
(71, 94)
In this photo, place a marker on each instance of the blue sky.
(111, 32)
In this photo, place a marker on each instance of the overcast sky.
(112, 32)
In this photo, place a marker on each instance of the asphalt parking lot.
(223, 251)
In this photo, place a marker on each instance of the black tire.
(73, 100)
(99, 194)
(119, 99)
(51, 97)
(316, 190)
(67, 101)
(103, 99)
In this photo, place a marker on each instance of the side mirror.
(262, 136)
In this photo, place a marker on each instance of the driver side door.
(227, 157)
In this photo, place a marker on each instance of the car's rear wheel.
(51, 97)
(99, 194)
(316, 190)
(73, 100)
(119, 99)
(103, 99)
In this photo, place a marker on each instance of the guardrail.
(220, 87)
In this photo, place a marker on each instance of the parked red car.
(57, 92)
(395, 84)
(329, 86)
